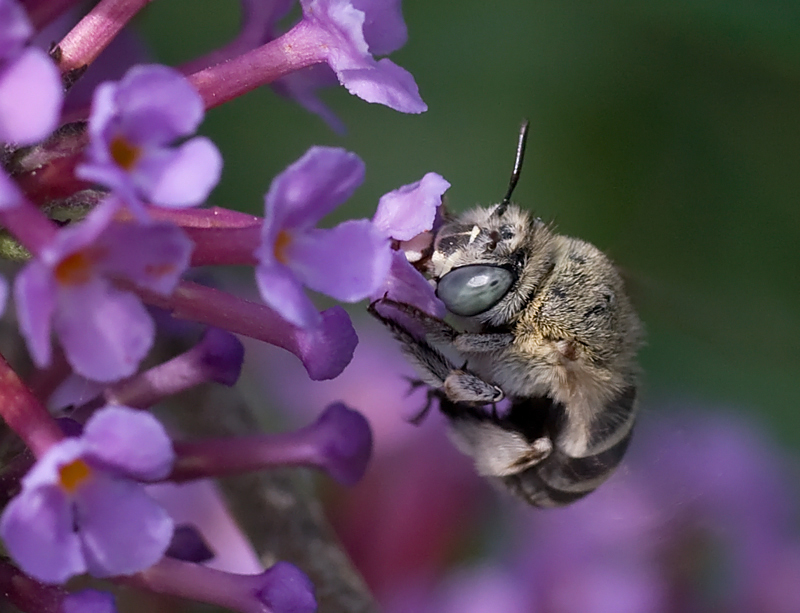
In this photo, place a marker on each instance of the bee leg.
(436, 330)
(436, 370)
(463, 386)
(430, 396)
(440, 332)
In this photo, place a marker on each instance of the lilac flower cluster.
(124, 178)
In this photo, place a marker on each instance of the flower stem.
(81, 46)
(27, 594)
(197, 582)
(299, 47)
(324, 350)
(221, 236)
(24, 414)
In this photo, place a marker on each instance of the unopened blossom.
(81, 507)
(286, 589)
(132, 127)
(30, 84)
(70, 289)
(348, 262)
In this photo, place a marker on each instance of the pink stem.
(28, 594)
(197, 582)
(221, 236)
(95, 31)
(24, 414)
(234, 455)
(301, 46)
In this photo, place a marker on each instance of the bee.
(543, 321)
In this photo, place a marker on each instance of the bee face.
(488, 265)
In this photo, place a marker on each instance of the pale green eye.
(470, 290)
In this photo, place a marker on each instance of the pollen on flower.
(74, 269)
(124, 153)
(72, 475)
(281, 244)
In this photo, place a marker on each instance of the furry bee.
(544, 321)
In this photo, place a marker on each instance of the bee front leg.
(440, 332)
(435, 369)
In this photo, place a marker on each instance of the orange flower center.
(281, 244)
(124, 154)
(72, 475)
(74, 269)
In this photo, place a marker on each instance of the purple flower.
(105, 331)
(407, 215)
(10, 195)
(353, 32)
(81, 508)
(348, 262)
(411, 209)
(89, 601)
(384, 28)
(337, 29)
(30, 84)
(132, 127)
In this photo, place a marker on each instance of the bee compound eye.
(471, 290)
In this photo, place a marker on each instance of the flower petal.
(133, 442)
(406, 284)
(282, 291)
(123, 529)
(151, 255)
(110, 344)
(30, 98)
(10, 194)
(348, 262)
(411, 209)
(301, 86)
(35, 295)
(158, 104)
(36, 528)
(384, 82)
(15, 29)
(384, 28)
(312, 187)
(184, 177)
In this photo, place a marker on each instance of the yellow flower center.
(72, 475)
(74, 269)
(281, 244)
(124, 154)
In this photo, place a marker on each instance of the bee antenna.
(512, 183)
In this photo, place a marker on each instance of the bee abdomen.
(561, 479)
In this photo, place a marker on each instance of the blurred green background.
(667, 132)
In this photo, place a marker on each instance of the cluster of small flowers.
(102, 211)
